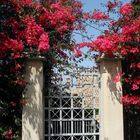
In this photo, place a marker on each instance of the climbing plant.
(30, 29)
(120, 37)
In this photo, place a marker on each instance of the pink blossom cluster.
(44, 42)
(35, 25)
(32, 33)
(127, 100)
(8, 44)
(9, 134)
(27, 29)
(98, 15)
(126, 9)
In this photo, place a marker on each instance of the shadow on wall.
(32, 112)
(131, 115)
(114, 87)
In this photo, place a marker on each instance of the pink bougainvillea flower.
(133, 65)
(105, 44)
(127, 100)
(86, 16)
(124, 51)
(118, 77)
(134, 50)
(26, 2)
(18, 66)
(32, 32)
(9, 134)
(135, 87)
(78, 53)
(126, 9)
(16, 46)
(138, 65)
(21, 82)
(97, 15)
(13, 103)
(44, 42)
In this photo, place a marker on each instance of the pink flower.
(126, 9)
(26, 2)
(127, 80)
(97, 15)
(21, 82)
(105, 44)
(138, 65)
(33, 31)
(86, 16)
(118, 77)
(78, 4)
(127, 100)
(17, 46)
(134, 50)
(18, 66)
(63, 29)
(124, 51)
(9, 134)
(56, 6)
(135, 87)
(78, 53)
(133, 65)
(137, 80)
(13, 103)
(44, 42)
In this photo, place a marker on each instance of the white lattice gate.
(72, 107)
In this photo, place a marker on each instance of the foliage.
(120, 38)
(132, 115)
(30, 29)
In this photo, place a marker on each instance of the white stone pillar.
(111, 106)
(32, 115)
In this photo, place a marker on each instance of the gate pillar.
(111, 106)
(32, 115)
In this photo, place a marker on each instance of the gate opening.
(72, 106)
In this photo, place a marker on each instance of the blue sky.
(90, 5)
(94, 4)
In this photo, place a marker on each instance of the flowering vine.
(121, 38)
(30, 29)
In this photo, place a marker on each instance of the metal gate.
(72, 106)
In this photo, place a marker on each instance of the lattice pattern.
(73, 112)
(89, 137)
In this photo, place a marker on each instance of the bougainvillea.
(30, 29)
(121, 38)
